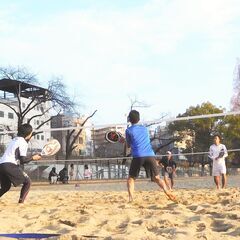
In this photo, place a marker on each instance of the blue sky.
(170, 54)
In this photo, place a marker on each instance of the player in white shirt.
(10, 171)
(218, 153)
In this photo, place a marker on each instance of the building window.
(37, 122)
(10, 115)
(38, 137)
(23, 105)
(1, 114)
(42, 137)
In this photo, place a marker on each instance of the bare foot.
(171, 197)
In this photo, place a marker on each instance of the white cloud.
(118, 49)
(118, 36)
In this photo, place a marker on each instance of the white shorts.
(219, 169)
(54, 179)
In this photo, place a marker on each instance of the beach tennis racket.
(114, 137)
(51, 148)
(221, 154)
(122, 138)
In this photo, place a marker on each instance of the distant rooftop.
(26, 90)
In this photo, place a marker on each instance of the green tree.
(199, 129)
(229, 128)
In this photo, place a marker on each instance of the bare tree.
(235, 100)
(26, 87)
(71, 138)
(18, 73)
(135, 103)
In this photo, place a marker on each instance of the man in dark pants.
(169, 169)
(10, 171)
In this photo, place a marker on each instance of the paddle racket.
(114, 137)
(122, 138)
(221, 154)
(51, 148)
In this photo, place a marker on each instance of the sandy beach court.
(78, 213)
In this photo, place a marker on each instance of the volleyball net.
(88, 154)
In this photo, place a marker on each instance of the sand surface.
(75, 213)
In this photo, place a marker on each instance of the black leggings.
(6, 185)
(25, 189)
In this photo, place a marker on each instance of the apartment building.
(11, 94)
(9, 122)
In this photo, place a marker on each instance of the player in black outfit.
(169, 169)
(10, 170)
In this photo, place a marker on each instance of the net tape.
(157, 121)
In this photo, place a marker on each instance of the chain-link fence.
(117, 168)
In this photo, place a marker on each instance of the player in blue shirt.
(137, 138)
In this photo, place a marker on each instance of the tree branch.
(69, 148)
(10, 107)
